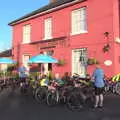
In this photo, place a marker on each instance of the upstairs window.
(48, 28)
(26, 33)
(79, 23)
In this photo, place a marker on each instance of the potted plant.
(61, 62)
(106, 48)
(91, 61)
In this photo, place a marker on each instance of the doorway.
(48, 66)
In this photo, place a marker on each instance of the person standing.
(98, 76)
(22, 74)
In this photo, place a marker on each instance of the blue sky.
(11, 10)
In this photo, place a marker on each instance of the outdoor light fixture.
(106, 34)
(106, 47)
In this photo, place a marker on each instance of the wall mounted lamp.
(106, 47)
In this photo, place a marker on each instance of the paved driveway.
(14, 106)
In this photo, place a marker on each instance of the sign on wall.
(108, 62)
(52, 44)
(117, 40)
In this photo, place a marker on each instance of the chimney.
(52, 1)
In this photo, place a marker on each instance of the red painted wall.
(100, 18)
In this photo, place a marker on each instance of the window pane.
(79, 61)
(48, 28)
(25, 60)
(79, 20)
(26, 33)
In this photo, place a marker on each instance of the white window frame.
(3, 67)
(78, 66)
(23, 60)
(48, 28)
(45, 65)
(26, 34)
(79, 21)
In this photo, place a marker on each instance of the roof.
(6, 53)
(45, 8)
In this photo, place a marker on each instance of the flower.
(61, 62)
(106, 48)
(91, 61)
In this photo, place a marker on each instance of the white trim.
(26, 63)
(25, 43)
(72, 62)
(23, 57)
(48, 38)
(78, 20)
(26, 33)
(47, 11)
(117, 40)
(77, 66)
(45, 65)
(81, 32)
(48, 28)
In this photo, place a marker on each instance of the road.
(14, 106)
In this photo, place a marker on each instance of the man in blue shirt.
(22, 73)
(98, 76)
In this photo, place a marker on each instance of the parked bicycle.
(41, 90)
(82, 91)
(53, 94)
(113, 84)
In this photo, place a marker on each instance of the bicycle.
(41, 90)
(40, 94)
(53, 97)
(82, 91)
(112, 85)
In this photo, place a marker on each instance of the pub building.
(75, 32)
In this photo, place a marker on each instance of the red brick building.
(73, 30)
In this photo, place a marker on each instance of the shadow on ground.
(14, 106)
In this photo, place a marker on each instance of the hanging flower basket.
(91, 61)
(61, 62)
(106, 48)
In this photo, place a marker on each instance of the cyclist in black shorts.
(22, 74)
(98, 76)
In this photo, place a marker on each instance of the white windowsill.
(47, 38)
(77, 33)
(25, 42)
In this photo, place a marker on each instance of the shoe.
(100, 107)
(95, 106)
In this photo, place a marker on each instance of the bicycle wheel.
(52, 98)
(73, 102)
(107, 88)
(113, 89)
(117, 88)
(40, 94)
